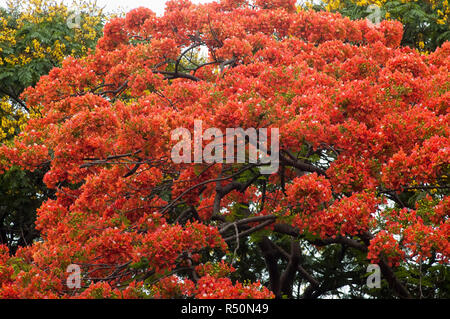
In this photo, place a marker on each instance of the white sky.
(154, 5)
(126, 5)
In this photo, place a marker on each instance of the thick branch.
(302, 271)
(255, 219)
(305, 167)
(251, 230)
(271, 258)
(288, 277)
(174, 75)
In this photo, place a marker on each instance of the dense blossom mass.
(364, 156)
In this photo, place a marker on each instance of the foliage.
(34, 37)
(21, 193)
(426, 22)
(364, 160)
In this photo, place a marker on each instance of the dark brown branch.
(255, 219)
(15, 98)
(305, 167)
(288, 276)
(251, 230)
(392, 279)
(292, 231)
(98, 161)
(174, 75)
(303, 273)
(133, 170)
(270, 255)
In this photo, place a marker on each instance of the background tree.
(35, 36)
(364, 160)
(426, 22)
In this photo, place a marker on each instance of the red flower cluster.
(385, 245)
(222, 288)
(364, 123)
(349, 216)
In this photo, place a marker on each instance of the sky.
(155, 5)
(126, 5)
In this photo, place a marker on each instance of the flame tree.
(363, 175)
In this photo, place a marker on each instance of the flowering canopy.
(364, 155)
